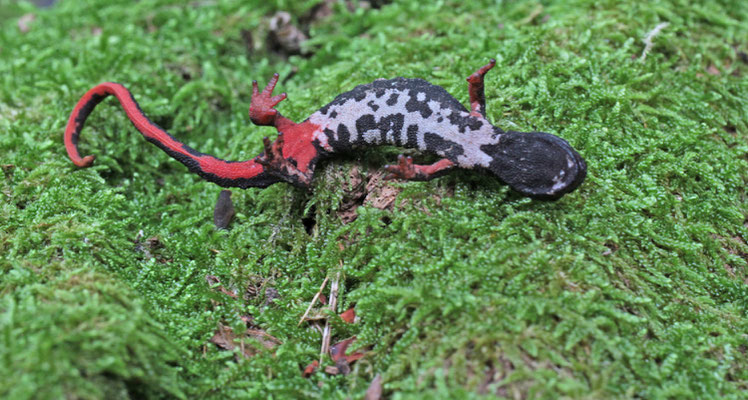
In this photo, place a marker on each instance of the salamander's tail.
(224, 173)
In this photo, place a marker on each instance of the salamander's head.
(536, 164)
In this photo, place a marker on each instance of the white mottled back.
(408, 113)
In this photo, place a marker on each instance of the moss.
(76, 333)
(635, 285)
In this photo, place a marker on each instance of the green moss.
(80, 334)
(635, 285)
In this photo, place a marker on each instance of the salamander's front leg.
(405, 169)
(475, 88)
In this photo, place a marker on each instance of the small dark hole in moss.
(743, 56)
(309, 220)
(135, 388)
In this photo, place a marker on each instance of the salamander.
(409, 113)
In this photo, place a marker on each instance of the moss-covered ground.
(633, 286)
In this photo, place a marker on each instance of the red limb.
(405, 169)
(275, 163)
(475, 88)
(262, 110)
(292, 155)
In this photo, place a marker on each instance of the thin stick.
(333, 306)
(648, 44)
(314, 300)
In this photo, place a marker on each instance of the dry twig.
(649, 37)
(314, 300)
(333, 306)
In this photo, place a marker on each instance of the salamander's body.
(410, 113)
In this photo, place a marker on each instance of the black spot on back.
(393, 99)
(343, 134)
(412, 136)
(359, 95)
(330, 135)
(463, 122)
(413, 105)
(438, 144)
(365, 123)
(392, 124)
(343, 141)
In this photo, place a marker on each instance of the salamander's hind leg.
(405, 169)
(475, 88)
(262, 110)
(282, 168)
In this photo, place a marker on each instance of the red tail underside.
(209, 167)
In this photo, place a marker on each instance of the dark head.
(536, 164)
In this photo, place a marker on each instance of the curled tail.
(224, 173)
